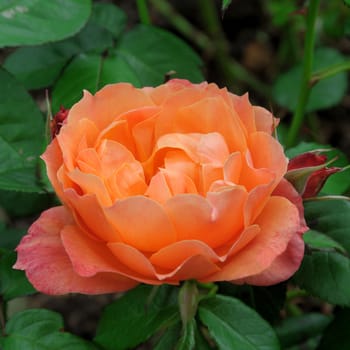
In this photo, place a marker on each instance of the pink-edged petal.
(90, 216)
(142, 223)
(174, 255)
(286, 189)
(278, 222)
(214, 221)
(282, 268)
(48, 267)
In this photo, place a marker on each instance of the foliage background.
(61, 47)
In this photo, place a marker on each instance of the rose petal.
(48, 268)
(267, 153)
(282, 268)
(286, 189)
(198, 118)
(264, 120)
(245, 111)
(142, 223)
(172, 256)
(109, 102)
(71, 137)
(135, 261)
(91, 184)
(278, 223)
(53, 160)
(214, 221)
(90, 216)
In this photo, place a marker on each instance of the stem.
(143, 12)
(329, 71)
(304, 93)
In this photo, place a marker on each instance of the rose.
(159, 185)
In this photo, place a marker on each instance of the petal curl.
(278, 222)
(48, 267)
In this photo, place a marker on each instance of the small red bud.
(57, 121)
(308, 172)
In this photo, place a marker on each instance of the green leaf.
(39, 66)
(330, 217)
(13, 283)
(267, 301)
(109, 17)
(336, 184)
(143, 57)
(10, 237)
(152, 53)
(319, 241)
(326, 275)
(295, 330)
(21, 137)
(169, 338)
(132, 319)
(327, 93)
(233, 325)
(40, 329)
(347, 2)
(337, 335)
(89, 72)
(33, 22)
(323, 273)
(17, 204)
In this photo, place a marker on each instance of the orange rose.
(158, 185)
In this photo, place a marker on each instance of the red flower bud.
(308, 172)
(57, 121)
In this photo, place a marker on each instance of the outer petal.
(48, 266)
(53, 159)
(278, 222)
(283, 267)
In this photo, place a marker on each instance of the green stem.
(143, 12)
(329, 71)
(305, 88)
